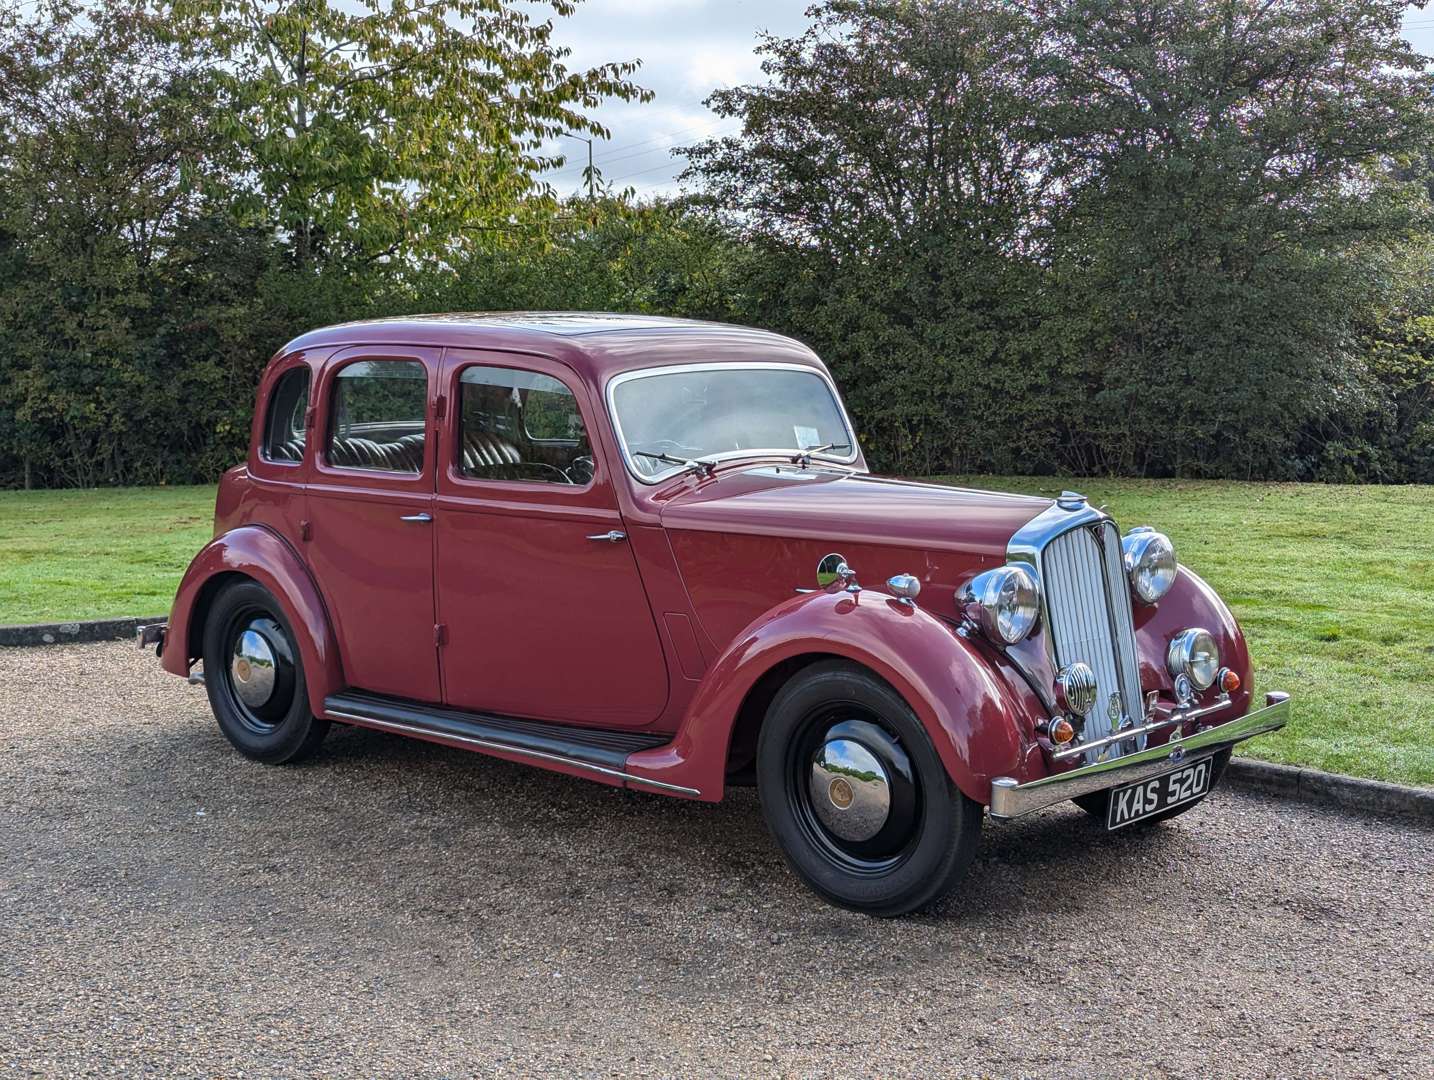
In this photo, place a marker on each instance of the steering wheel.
(581, 470)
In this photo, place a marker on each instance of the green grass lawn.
(97, 554)
(1333, 585)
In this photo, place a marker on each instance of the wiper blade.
(701, 467)
(803, 457)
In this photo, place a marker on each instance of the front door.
(371, 517)
(538, 589)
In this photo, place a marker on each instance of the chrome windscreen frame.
(731, 365)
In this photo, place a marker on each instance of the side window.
(284, 425)
(520, 425)
(378, 410)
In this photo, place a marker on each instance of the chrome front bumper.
(1011, 799)
(151, 635)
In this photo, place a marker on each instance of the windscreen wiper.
(697, 465)
(803, 457)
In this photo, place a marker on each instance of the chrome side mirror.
(831, 569)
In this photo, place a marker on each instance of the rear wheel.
(856, 795)
(255, 678)
(1097, 804)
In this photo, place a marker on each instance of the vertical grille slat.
(1124, 636)
(1091, 619)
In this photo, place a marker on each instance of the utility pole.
(580, 138)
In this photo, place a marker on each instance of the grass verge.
(97, 554)
(1333, 585)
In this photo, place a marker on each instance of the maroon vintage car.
(647, 551)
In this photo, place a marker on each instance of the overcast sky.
(688, 49)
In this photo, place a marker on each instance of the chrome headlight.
(1149, 562)
(1194, 654)
(1005, 602)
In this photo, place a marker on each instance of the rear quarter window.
(284, 430)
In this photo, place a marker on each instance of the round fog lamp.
(1077, 687)
(1194, 654)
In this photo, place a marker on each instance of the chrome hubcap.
(850, 790)
(251, 669)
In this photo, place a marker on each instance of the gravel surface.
(400, 909)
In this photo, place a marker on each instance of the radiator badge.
(1113, 709)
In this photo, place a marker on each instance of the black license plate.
(1135, 802)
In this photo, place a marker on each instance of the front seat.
(485, 453)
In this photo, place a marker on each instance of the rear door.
(371, 507)
(538, 589)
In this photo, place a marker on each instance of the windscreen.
(726, 412)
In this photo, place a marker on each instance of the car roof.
(597, 344)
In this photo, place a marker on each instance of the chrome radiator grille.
(1090, 620)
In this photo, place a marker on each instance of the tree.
(104, 169)
(381, 129)
(1100, 235)
(1226, 218)
(889, 171)
(604, 255)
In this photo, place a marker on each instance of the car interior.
(514, 425)
(522, 426)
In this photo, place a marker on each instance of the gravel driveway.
(399, 909)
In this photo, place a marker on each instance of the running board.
(590, 749)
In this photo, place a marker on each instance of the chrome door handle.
(422, 519)
(613, 537)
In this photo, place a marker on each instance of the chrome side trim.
(507, 748)
(731, 365)
(1012, 799)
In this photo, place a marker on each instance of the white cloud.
(688, 48)
(596, 8)
(711, 67)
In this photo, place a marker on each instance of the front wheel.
(856, 795)
(255, 678)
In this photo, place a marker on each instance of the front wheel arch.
(747, 726)
(977, 709)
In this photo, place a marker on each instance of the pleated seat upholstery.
(402, 455)
(483, 450)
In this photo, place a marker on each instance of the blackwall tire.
(856, 796)
(1097, 804)
(254, 676)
